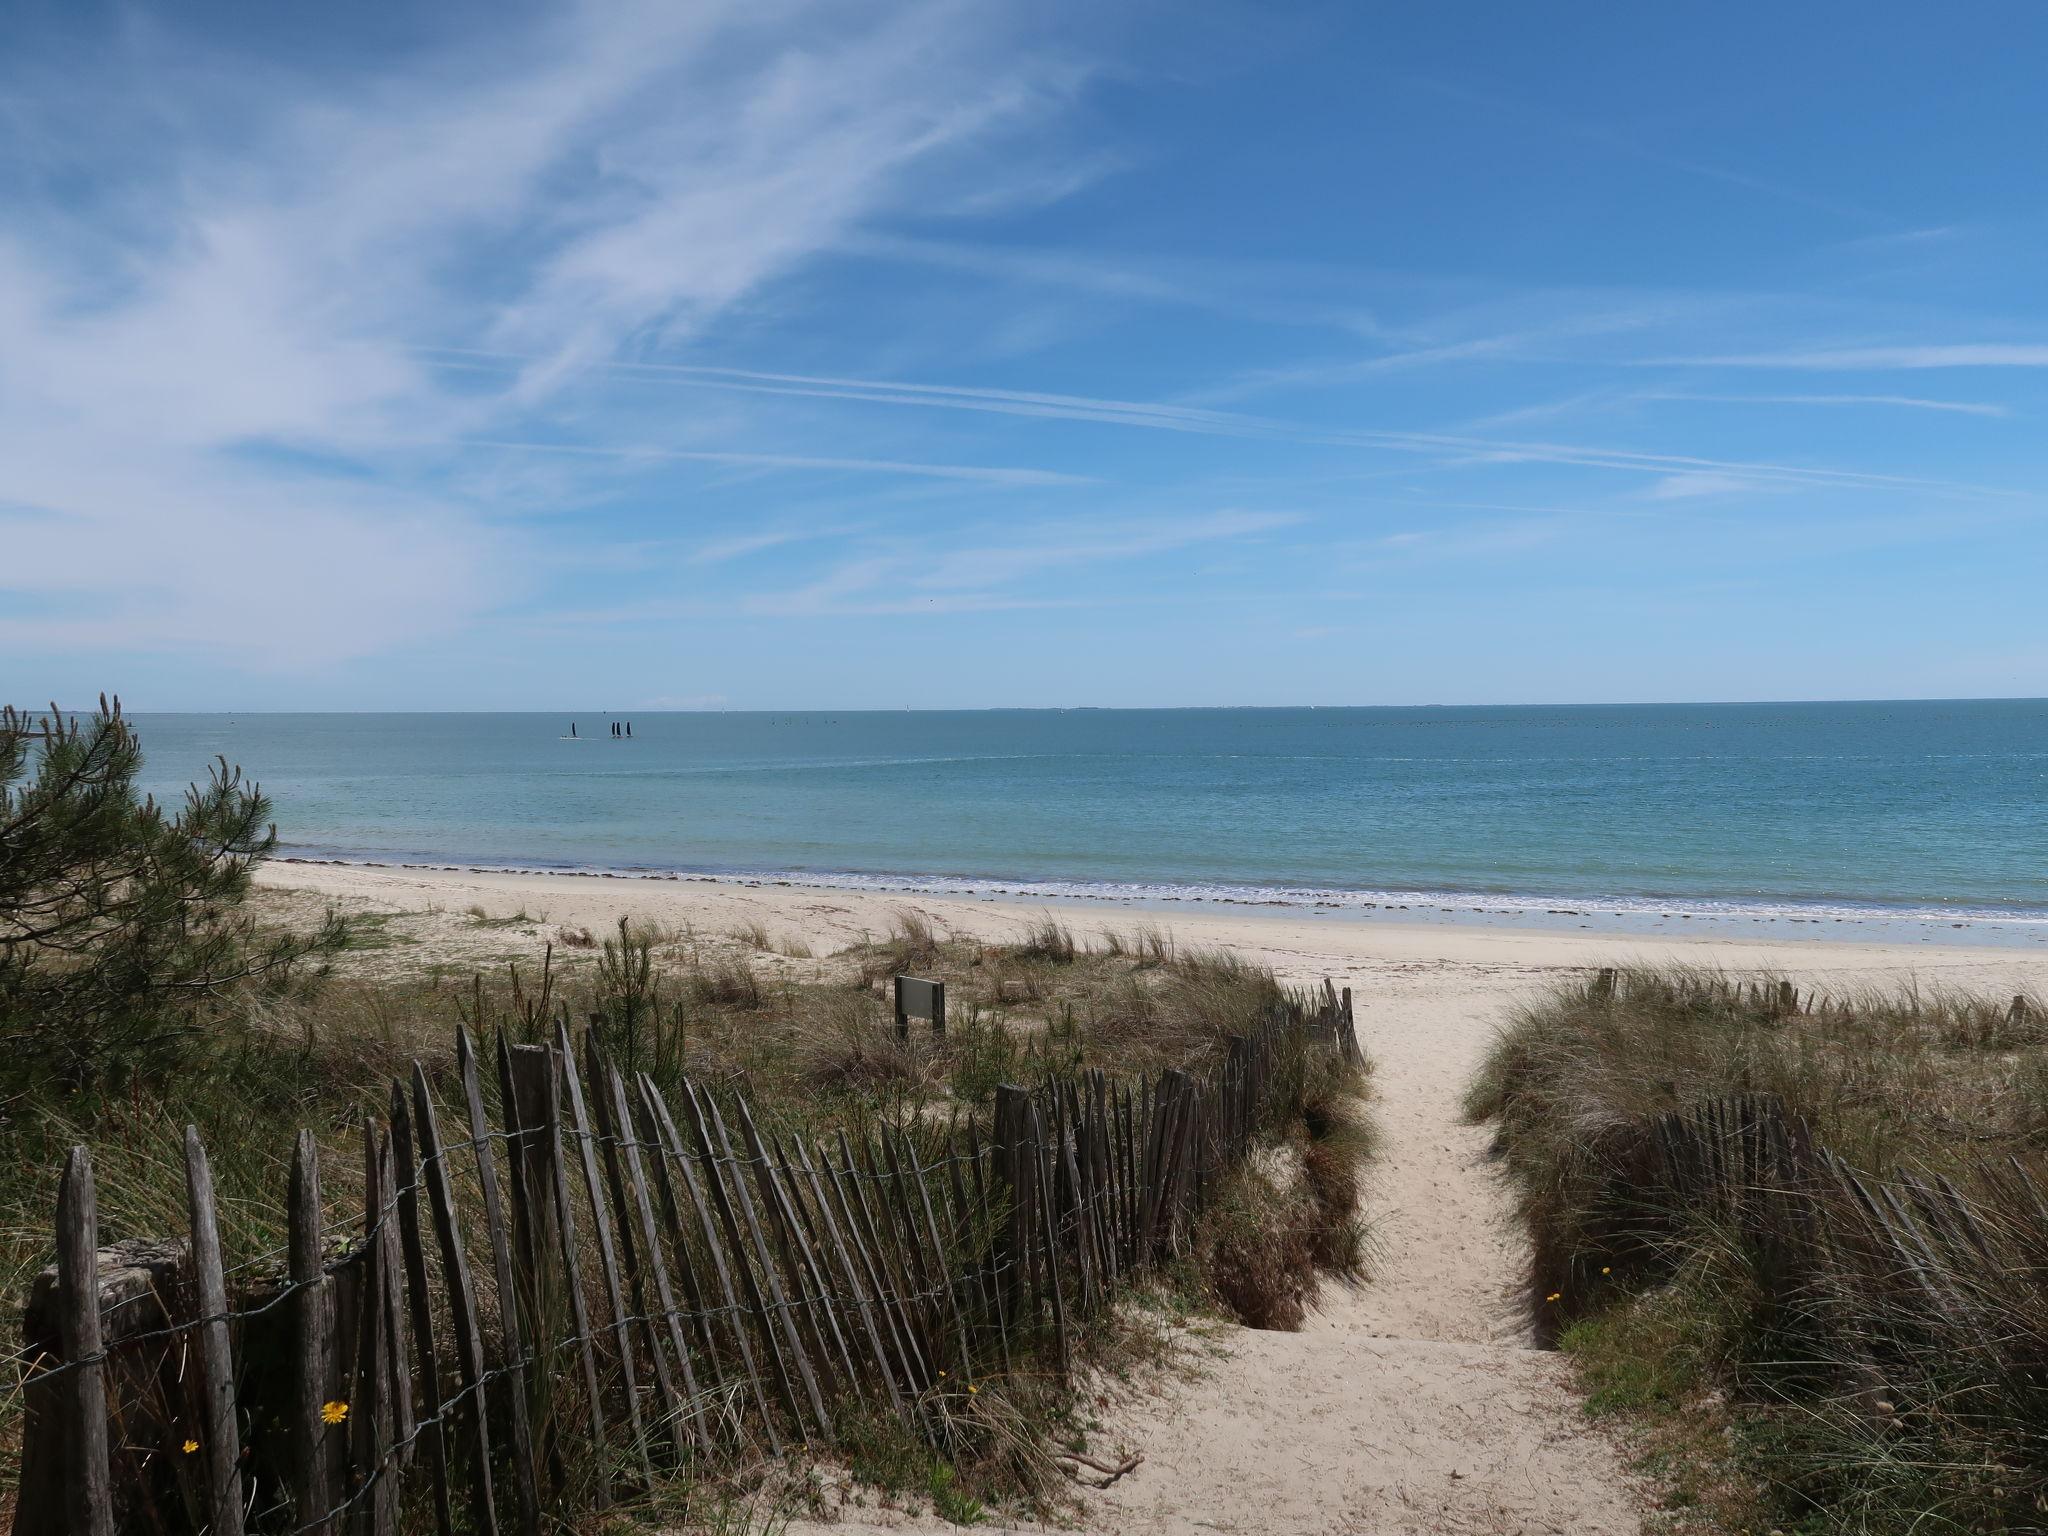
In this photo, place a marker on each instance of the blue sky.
(790, 355)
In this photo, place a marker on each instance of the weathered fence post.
(419, 1299)
(315, 1464)
(759, 1244)
(536, 1103)
(516, 1355)
(370, 1412)
(685, 1407)
(677, 1154)
(469, 1345)
(1012, 1108)
(220, 1439)
(90, 1487)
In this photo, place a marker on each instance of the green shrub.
(122, 926)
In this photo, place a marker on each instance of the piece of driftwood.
(1071, 1460)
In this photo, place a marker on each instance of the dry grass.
(1148, 945)
(726, 981)
(846, 1041)
(1047, 939)
(1291, 1214)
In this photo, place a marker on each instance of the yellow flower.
(333, 1413)
(191, 1446)
(1606, 1269)
(972, 1388)
(1553, 1295)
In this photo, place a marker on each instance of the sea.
(1924, 815)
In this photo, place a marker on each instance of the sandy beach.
(1412, 1403)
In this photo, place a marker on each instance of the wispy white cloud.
(738, 547)
(210, 395)
(1696, 483)
(1206, 421)
(1268, 292)
(1904, 402)
(978, 577)
(1483, 539)
(1996, 354)
(1493, 346)
(1632, 145)
(995, 474)
(995, 564)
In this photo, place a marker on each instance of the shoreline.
(1630, 917)
(1303, 945)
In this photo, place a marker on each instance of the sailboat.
(572, 736)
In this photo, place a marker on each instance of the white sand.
(1412, 1404)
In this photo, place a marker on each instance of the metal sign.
(922, 999)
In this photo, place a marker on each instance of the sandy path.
(1411, 1404)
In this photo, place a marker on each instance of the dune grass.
(1888, 1370)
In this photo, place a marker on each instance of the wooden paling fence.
(1937, 1261)
(604, 1286)
(1770, 999)
(1749, 1160)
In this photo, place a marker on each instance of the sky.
(788, 355)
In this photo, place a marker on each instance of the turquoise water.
(1901, 808)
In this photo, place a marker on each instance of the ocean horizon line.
(1053, 709)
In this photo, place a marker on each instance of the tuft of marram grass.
(847, 1041)
(754, 934)
(1048, 939)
